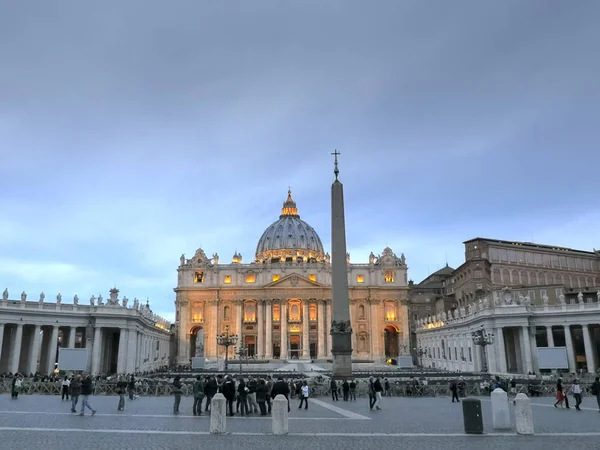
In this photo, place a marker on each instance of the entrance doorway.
(250, 344)
(294, 347)
(197, 343)
(391, 342)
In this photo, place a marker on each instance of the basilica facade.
(279, 304)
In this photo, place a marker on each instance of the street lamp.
(227, 340)
(483, 339)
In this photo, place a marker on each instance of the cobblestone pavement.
(36, 422)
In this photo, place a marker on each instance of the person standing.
(177, 390)
(281, 387)
(212, 388)
(131, 387)
(75, 392)
(595, 390)
(229, 393)
(372, 395)
(86, 391)
(65, 388)
(198, 396)
(17, 384)
(346, 390)
(269, 390)
(261, 396)
(353, 390)
(121, 388)
(242, 391)
(304, 395)
(334, 390)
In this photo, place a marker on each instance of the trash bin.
(472, 416)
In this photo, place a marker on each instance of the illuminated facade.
(280, 303)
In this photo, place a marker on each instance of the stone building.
(122, 338)
(279, 304)
(527, 296)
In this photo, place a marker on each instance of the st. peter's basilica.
(280, 303)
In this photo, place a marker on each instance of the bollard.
(472, 416)
(500, 412)
(217, 414)
(523, 414)
(280, 415)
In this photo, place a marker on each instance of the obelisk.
(341, 330)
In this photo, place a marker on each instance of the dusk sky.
(132, 132)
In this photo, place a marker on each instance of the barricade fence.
(163, 388)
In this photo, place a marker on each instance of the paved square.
(44, 422)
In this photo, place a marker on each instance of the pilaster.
(321, 339)
(269, 329)
(305, 330)
(260, 320)
(284, 330)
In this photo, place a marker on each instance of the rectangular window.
(494, 254)
(537, 258)
(275, 278)
(503, 255)
(470, 355)
(558, 292)
(520, 257)
(546, 260)
(571, 263)
(389, 276)
(360, 278)
(227, 279)
(562, 260)
(543, 293)
(312, 277)
(554, 260)
(579, 263)
(531, 294)
(512, 256)
(529, 258)
(250, 278)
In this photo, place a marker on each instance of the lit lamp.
(227, 341)
(483, 339)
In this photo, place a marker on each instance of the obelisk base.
(342, 355)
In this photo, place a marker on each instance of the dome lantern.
(289, 207)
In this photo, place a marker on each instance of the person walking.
(198, 390)
(378, 391)
(86, 391)
(304, 395)
(595, 390)
(454, 390)
(560, 396)
(17, 384)
(75, 392)
(576, 391)
(177, 390)
(371, 388)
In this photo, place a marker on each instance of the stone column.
(549, 336)
(375, 350)
(72, 336)
(138, 351)
(1, 341)
(16, 355)
(570, 352)
(131, 351)
(305, 330)
(320, 331)
(122, 355)
(590, 356)
(260, 318)
(527, 360)
(52, 347)
(34, 353)
(96, 350)
(533, 347)
(329, 344)
(239, 314)
(269, 329)
(341, 328)
(284, 330)
(501, 356)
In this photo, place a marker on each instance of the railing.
(162, 388)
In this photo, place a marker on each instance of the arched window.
(515, 277)
(505, 276)
(226, 313)
(496, 275)
(294, 311)
(533, 278)
(361, 312)
(524, 278)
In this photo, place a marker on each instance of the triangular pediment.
(293, 280)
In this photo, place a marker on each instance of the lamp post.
(241, 353)
(227, 340)
(483, 339)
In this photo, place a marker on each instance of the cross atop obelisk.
(341, 328)
(335, 167)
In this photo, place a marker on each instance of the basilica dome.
(290, 238)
